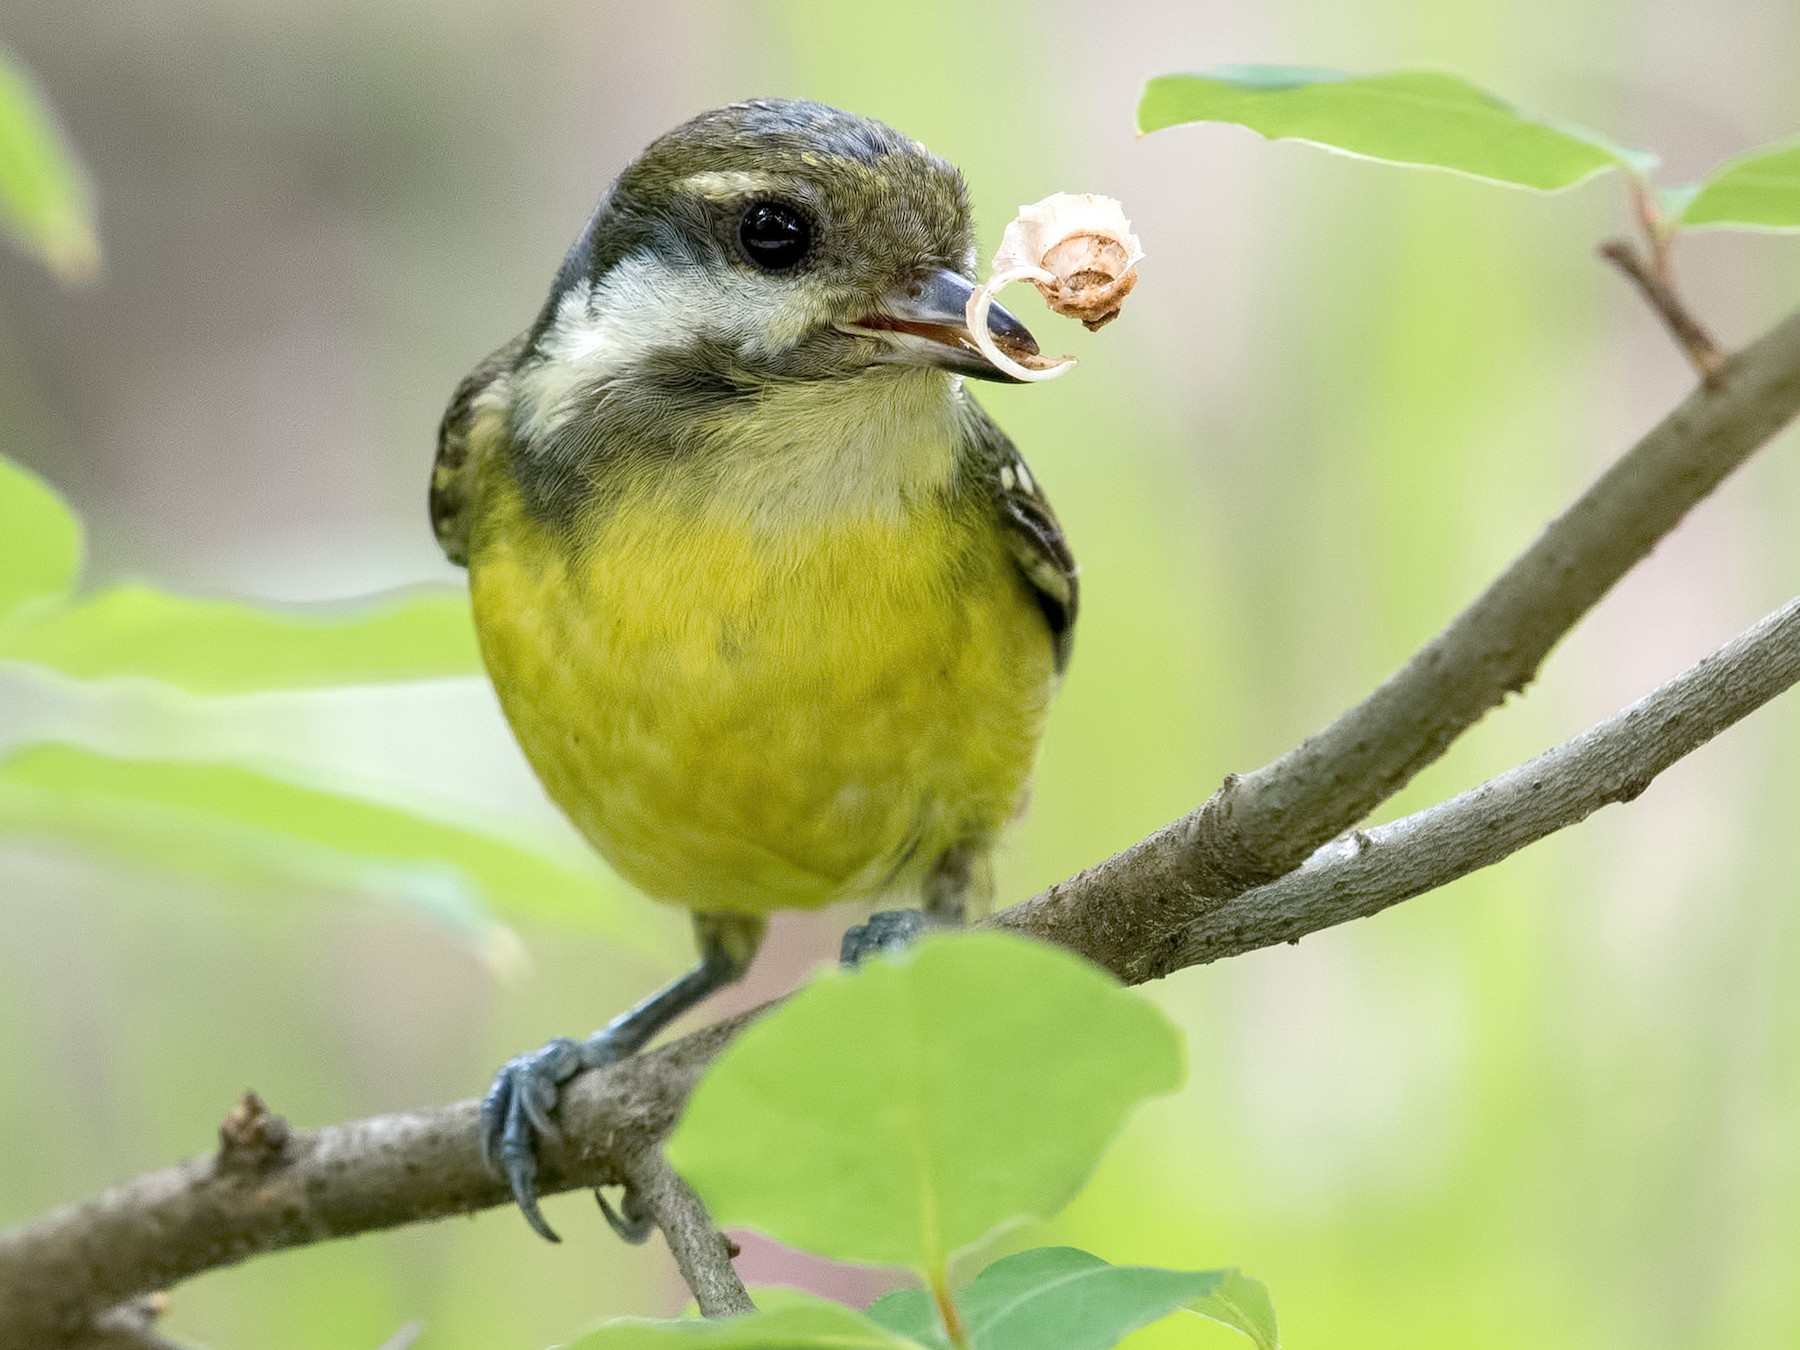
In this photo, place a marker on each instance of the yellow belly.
(745, 719)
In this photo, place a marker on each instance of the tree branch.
(1162, 904)
(701, 1252)
(59, 1274)
(1653, 282)
(1128, 912)
(1368, 871)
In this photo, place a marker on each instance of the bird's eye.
(775, 236)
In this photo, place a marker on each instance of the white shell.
(1040, 227)
(1079, 251)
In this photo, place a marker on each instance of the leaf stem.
(1657, 230)
(954, 1329)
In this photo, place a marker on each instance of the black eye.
(775, 236)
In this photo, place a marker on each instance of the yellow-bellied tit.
(773, 607)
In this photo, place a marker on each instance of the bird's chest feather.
(747, 716)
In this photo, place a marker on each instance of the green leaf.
(1673, 200)
(1758, 190)
(227, 647)
(806, 1324)
(45, 202)
(233, 825)
(766, 1297)
(1243, 1304)
(1061, 1297)
(40, 539)
(1426, 118)
(911, 1313)
(896, 1114)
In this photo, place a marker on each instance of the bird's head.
(770, 241)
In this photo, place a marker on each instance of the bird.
(774, 609)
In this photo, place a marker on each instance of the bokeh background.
(1553, 1105)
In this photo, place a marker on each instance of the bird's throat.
(869, 446)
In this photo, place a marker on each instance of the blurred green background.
(1553, 1105)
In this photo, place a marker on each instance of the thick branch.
(1152, 909)
(1128, 912)
(267, 1190)
(1614, 761)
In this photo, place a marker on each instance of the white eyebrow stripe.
(725, 183)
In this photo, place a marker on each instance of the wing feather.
(1033, 533)
(453, 474)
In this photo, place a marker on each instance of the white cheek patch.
(648, 306)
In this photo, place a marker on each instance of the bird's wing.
(1032, 532)
(453, 475)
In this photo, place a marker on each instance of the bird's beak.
(923, 323)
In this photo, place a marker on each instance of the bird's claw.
(892, 930)
(631, 1221)
(517, 1112)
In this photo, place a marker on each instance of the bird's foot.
(892, 930)
(631, 1221)
(517, 1111)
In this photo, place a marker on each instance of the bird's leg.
(960, 875)
(888, 930)
(518, 1107)
(957, 876)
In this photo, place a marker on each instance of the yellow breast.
(751, 716)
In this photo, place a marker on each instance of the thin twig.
(1612, 761)
(1653, 280)
(1137, 914)
(701, 1251)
